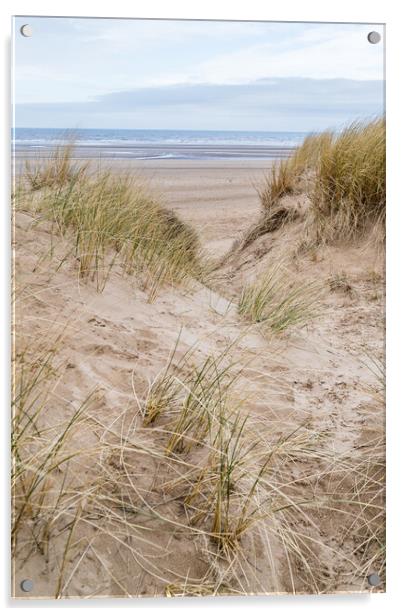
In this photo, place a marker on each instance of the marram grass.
(113, 221)
(349, 191)
(278, 301)
(344, 176)
(55, 172)
(238, 482)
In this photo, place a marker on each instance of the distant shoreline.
(161, 151)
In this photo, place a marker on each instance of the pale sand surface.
(317, 377)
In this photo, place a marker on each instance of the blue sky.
(98, 73)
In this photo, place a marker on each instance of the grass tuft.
(343, 174)
(115, 222)
(278, 301)
(40, 447)
(55, 172)
(349, 192)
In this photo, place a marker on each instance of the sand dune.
(311, 396)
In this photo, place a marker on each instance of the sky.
(195, 75)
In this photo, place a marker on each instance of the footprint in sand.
(97, 322)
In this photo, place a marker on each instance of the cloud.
(294, 103)
(145, 34)
(91, 56)
(317, 53)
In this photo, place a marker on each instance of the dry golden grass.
(230, 477)
(233, 481)
(40, 446)
(344, 176)
(112, 221)
(279, 301)
(349, 192)
(56, 172)
(294, 173)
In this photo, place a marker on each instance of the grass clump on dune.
(279, 302)
(39, 446)
(115, 221)
(287, 177)
(349, 191)
(342, 174)
(58, 171)
(293, 174)
(68, 500)
(206, 416)
(223, 494)
(204, 394)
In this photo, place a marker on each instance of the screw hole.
(374, 37)
(26, 585)
(373, 579)
(26, 30)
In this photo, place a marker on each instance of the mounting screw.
(374, 37)
(373, 579)
(26, 30)
(26, 585)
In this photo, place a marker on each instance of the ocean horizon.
(144, 144)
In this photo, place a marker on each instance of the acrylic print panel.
(199, 308)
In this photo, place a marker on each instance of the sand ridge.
(118, 342)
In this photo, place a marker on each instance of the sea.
(158, 144)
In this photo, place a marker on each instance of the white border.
(291, 10)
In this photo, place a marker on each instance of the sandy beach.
(310, 392)
(198, 308)
(217, 197)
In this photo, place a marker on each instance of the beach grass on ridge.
(344, 176)
(113, 220)
(156, 432)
